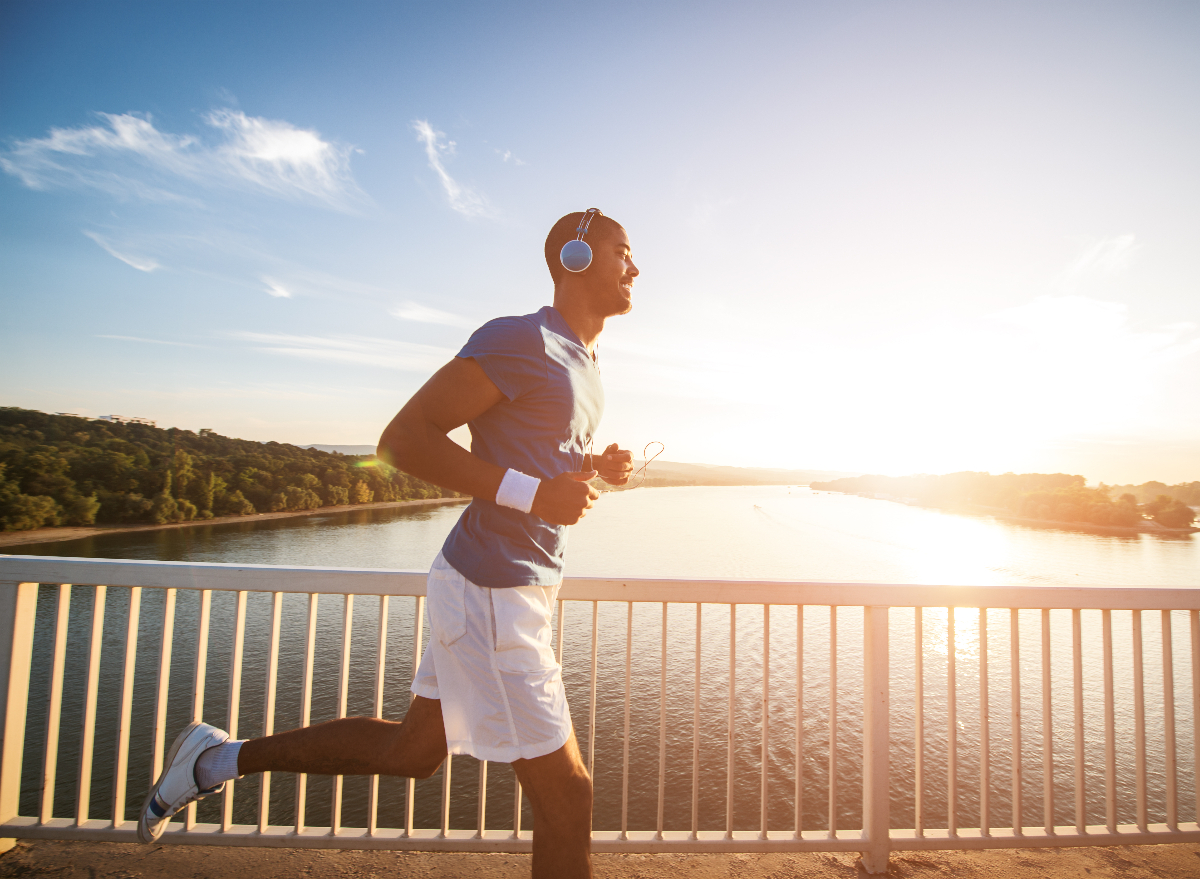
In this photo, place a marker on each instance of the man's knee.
(420, 745)
(579, 793)
(425, 766)
(414, 757)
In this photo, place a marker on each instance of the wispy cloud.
(362, 350)
(1100, 258)
(274, 288)
(507, 156)
(128, 157)
(149, 341)
(282, 158)
(141, 263)
(414, 311)
(463, 199)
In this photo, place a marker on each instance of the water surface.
(724, 533)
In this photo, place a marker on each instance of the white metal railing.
(20, 577)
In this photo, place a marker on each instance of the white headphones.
(575, 254)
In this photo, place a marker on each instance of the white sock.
(217, 764)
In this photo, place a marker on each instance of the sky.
(891, 237)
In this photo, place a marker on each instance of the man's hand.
(565, 499)
(615, 465)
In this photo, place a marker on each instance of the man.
(488, 684)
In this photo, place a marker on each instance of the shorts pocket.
(521, 621)
(447, 608)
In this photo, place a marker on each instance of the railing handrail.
(300, 579)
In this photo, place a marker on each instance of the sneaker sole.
(144, 833)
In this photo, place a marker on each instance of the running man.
(488, 684)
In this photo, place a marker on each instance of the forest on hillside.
(1056, 497)
(65, 470)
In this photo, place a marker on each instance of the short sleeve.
(511, 352)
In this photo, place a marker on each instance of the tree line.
(64, 470)
(1055, 497)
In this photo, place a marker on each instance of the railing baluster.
(54, 708)
(121, 763)
(516, 834)
(165, 645)
(662, 727)
(1194, 621)
(876, 785)
(985, 754)
(592, 701)
(696, 736)
(919, 721)
(1110, 729)
(310, 641)
(235, 699)
(1014, 639)
(625, 745)
(199, 678)
(18, 620)
(200, 671)
(765, 714)
(558, 641)
(558, 656)
(833, 719)
(264, 790)
(1080, 778)
(798, 833)
(380, 667)
(952, 726)
(410, 787)
(84, 787)
(1047, 731)
(1169, 721)
(1139, 722)
(481, 815)
(335, 819)
(732, 703)
(445, 831)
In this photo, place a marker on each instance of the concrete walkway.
(100, 860)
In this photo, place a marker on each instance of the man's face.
(610, 276)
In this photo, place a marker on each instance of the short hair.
(565, 230)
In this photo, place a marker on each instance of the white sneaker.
(176, 787)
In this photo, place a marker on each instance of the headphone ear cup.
(576, 256)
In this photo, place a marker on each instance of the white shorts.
(491, 664)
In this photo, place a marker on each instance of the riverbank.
(68, 532)
(108, 860)
(1148, 527)
(1002, 515)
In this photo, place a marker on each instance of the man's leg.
(560, 791)
(413, 748)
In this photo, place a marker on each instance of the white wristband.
(517, 490)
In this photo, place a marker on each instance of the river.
(776, 532)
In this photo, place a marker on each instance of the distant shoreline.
(58, 534)
(1148, 527)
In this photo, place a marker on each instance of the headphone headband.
(585, 221)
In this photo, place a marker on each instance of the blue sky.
(888, 237)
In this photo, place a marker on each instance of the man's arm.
(416, 442)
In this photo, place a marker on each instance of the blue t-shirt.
(552, 405)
